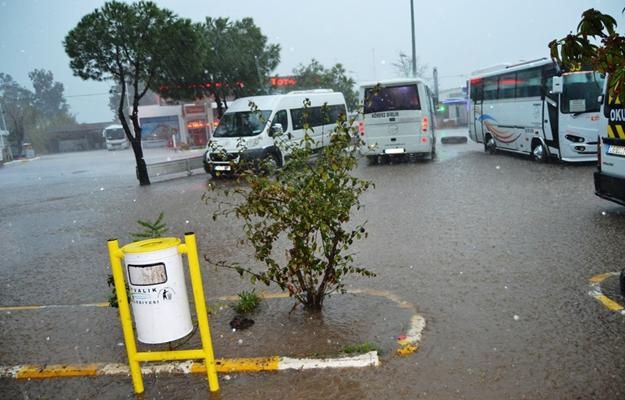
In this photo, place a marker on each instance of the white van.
(398, 119)
(250, 135)
(115, 137)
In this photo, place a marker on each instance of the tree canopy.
(315, 75)
(139, 46)
(597, 44)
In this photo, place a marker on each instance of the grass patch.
(361, 348)
(248, 302)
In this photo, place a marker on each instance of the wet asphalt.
(495, 251)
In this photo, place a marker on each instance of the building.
(452, 110)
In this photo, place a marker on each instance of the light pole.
(414, 49)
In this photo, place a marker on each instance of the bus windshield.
(391, 98)
(581, 91)
(114, 134)
(240, 124)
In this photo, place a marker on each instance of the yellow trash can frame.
(189, 248)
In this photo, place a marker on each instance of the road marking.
(29, 308)
(262, 364)
(595, 291)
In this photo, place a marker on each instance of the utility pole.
(435, 76)
(414, 48)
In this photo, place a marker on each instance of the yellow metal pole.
(190, 247)
(115, 255)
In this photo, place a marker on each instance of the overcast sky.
(456, 36)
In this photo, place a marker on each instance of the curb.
(407, 344)
(31, 371)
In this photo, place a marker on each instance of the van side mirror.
(276, 129)
(557, 84)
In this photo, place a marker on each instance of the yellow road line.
(42, 307)
(595, 284)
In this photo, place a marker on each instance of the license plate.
(394, 151)
(222, 168)
(616, 150)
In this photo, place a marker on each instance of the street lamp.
(414, 50)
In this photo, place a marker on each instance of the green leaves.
(306, 207)
(151, 229)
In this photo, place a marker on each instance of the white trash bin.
(157, 290)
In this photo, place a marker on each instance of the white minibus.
(115, 137)
(532, 108)
(398, 119)
(277, 123)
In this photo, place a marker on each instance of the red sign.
(278, 81)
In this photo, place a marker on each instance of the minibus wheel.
(539, 152)
(490, 145)
(372, 160)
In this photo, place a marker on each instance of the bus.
(267, 135)
(610, 175)
(115, 137)
(533, 108)
(397, 120)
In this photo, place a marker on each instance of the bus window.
(490, 88)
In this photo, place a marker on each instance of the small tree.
(309, 203)
(580, 49)
(403, 66)
(134, 44)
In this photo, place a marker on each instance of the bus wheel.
(490, 145)
(539, 152)
(433, 153)
(372, 160)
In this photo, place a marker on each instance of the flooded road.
(495, 251)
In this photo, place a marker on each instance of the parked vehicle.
(398, 119)
(532, 108)
(247, 135)
(115, 137)
(610, 174)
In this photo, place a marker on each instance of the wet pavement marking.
(595, 286)
(263, 364)
(29, 308)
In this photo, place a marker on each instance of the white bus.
(247, 135)
(115, 137)
(531, 108)
(398, 119)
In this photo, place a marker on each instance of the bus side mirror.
(557, 85)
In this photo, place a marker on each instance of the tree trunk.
(142, 168)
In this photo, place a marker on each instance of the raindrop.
(9, 312)
(604, 213)
(240, 341)
(494, 349)
(234, 329)
(73, 241)
(74, 221)
(134, 200)
(516, 317)
(101, 189)
(186, 221)
(506, 287)
(227, 377)
(48, 338)
(120, 344)
(497, 167)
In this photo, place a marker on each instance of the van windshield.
(114, 134)
(391, 98)
(243, 123)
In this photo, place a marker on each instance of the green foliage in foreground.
(580, 49)
(248, 302)
(361, 348)
(307, 203)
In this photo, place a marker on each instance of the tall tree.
(130, 44)
(115, 94)
(49, 98)
(18, 105)
(315, 75)
(581, 49)
(403, 66)
(237, 61)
